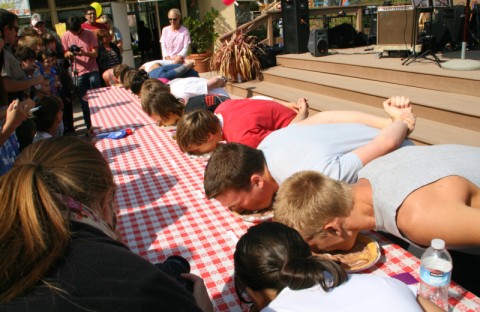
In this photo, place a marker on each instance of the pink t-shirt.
(175, 42)
(87, 41)
(249, 121)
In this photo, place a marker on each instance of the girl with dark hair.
(276, 271)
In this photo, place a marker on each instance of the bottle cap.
(438, 243)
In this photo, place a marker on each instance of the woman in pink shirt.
(175, 38)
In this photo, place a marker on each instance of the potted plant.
(237, 60)
(203, 36)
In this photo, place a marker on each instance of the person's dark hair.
(137, 80)
(102, 33)
(152, 86)
(230, 168)
(162, 104)
(7, 18)
(74, 23)
(25, 53)
(89, 8)
(117, 70)
(47, 38)
(141, 23)
(127, 78)
(123, 72)
(45, 117)
(272, 255)
(42, 55)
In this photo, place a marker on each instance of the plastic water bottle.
(435, 274)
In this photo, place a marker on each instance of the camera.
(174, 266)
(75, 49)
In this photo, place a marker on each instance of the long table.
(162, 210)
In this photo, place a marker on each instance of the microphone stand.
(415, 32)
(429, 38)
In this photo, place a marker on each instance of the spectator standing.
(81, 46)
(15, 82)
(38, 24)
(11, 116)
(175, 38)
(144, 41)
(108, 54)
(115, 33)
(91, 17)
(67, 88)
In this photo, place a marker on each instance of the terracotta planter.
(202, 61)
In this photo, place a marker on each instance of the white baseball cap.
(36, 18)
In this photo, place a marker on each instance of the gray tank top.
(394, 176)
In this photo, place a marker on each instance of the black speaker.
(296, 25)
(342, 36)
(452, 19)
(318, 42)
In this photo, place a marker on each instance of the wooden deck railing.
(267, 18)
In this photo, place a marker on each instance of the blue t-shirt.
(8, 153)
(326, 148)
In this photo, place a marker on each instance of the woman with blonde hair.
(59, 249)
(175, 38)
(115, 33)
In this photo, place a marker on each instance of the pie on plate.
(255, 216)
(363, 255)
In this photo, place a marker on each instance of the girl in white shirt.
(276, 271)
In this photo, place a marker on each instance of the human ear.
(261, 298)
(332, 227)
(256, 180)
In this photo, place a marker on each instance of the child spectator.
(47, 58)
(246, 121)
(48, 118)
(65, 91)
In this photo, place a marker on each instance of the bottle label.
(434, 277)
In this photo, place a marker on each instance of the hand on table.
(199, 292)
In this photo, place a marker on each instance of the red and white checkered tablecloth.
(162, 209)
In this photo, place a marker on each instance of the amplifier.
(395, 26)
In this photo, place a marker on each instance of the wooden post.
(271, 39)
(358, 22)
